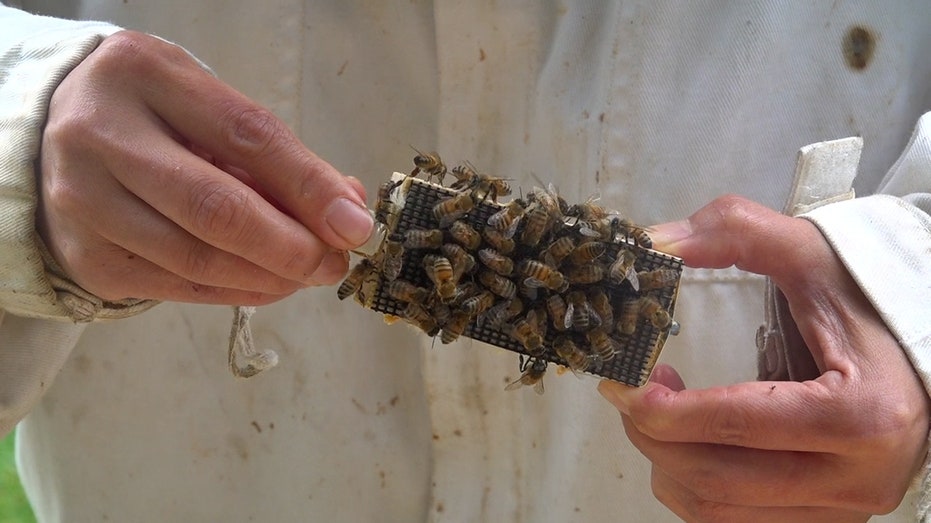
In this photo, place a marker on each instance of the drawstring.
(244, 360)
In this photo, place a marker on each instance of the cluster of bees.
(570, 284)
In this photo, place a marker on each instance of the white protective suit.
(658, 107)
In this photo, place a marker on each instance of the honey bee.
(430, 164)
(556, 308)
(498, 284)
(496, 261)
(585, 274)
(460, 259)
(440, 271)
(496, 239)
(483, 186)
(603, 347)
(657, 279)
(393, 254)
(423, 239)
(418, 316)
(628, 316)
(451, 209)
(502, 312)
(388, 206)
(587, 211)
(623, 269)
(535, 225)
(601, 304)
(580, 315)
(551, 202)
(577, 359)
(455, 326)
(587, 252)
(538, 274)
(507, 219)
(354, 279)
(652, 309)
(465, 235)
(526, 330)
(532, 375)
(557, 251)
(403, 290)
(631, 230)
(479, 303)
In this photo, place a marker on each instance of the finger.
(763, 415)
(214, 207)
(127, 221)
(131, 276)
(238, 131)
(743, 476)
(691, 507)
(733, 231)
(332, 269)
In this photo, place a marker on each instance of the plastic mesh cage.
(636, 354)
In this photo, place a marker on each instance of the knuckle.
(732, 212)
(219, 213)
(252, 130)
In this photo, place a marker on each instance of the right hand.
(159, 181)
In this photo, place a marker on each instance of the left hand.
(840, 447)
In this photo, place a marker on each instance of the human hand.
(160, 181)
(837, 448)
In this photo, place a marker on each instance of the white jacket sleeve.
(885, 242)
(35, 55)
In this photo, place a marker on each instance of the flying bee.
(440, 271)
(465, 235)
(451, 209)
(623, 269)
(507, 219)
(587, 252)
(497, 284)
(423, 239)
(403, 290)
(502, 312)
(430, 164)
(418, 316)
(601, 304)
(460, 259)
(538, 274)
(580, 315)
(535, 225)
(577, 359)
(354, 279)
(652, 309)
(526, 330)
(657, 279)
(557, 251)
(532, 375)
(603, 347)
(479, 303)
(496, 261)
(556, 308)
(455, 326)
(585, 274)
(393, 255)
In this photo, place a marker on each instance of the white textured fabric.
(656, 106)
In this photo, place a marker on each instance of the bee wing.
(516, 384)
(512, 228)
(632, 277)
(538, 386)
(586, 230)
(534, 283)
(567, 320)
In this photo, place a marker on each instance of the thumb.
(734, 231)
(622, 396)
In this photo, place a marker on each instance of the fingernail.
(350, 220)
(666, 234)
(617, 394)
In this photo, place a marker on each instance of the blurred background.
(13, 505)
